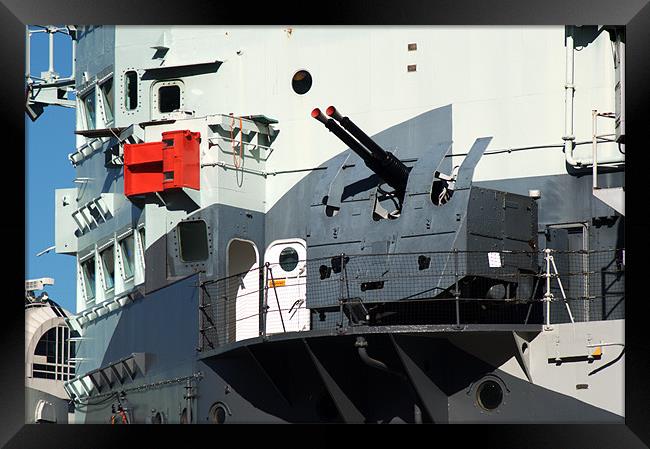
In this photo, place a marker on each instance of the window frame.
(303, 85)
(127, 97)
(124, 257)
(160, 98)
(297, 261)
(92, 92)
(180, 241)
(105, 103)
(110, 247)
(84, 278)
(142, 234)
(62, 367)
(155, 96)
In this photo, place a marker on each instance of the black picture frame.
(635, 14)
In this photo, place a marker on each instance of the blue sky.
(49, 140)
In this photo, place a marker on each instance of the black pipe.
(344, 136)
(385, 164)
(353, 129)
(361, 345)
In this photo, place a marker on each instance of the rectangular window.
(108, 265)
(193, 240)
(107, 96)
(143, 244)
(41, 347)
(127, 248)
(131, 90)
(51, 351)
(169, 98)
(42, 367)
(59, 339)
(88, 272)
(89, 109)
(66, 345)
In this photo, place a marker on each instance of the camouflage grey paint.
(95, 52)
(165, 323)
(280, 379)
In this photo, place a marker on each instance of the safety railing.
(452, 287)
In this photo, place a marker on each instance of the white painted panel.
(65, 226)
(290, 290)
(243, 263)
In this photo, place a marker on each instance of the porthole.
(489, 395)
(301, 82)
(218, 414)
(288, 259)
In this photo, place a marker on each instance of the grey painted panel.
(565, 198)
(164, 325)
(95, 50)
(380, 396)
(155, 257)
(466, 171)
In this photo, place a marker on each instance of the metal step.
(614, 197)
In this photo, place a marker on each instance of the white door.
(287, 280)
(243, 284)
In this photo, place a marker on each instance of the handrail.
(454, 282)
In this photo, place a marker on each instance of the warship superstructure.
(344, 224)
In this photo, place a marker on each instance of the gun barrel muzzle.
(377, 151)
(382, 162)
(332, 112)
(318, 115)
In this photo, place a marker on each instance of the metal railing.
(452, 287)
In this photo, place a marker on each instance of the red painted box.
(157, 166)
(181, 160)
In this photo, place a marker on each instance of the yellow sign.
(277, 283)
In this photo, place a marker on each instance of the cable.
(241, 140)
(238, 156)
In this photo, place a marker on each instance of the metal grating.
(454, 287)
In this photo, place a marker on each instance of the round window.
(301, 82)
(218, 414)
(489, 395)
(288, 259)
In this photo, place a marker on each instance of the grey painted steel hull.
(286, 380)
(321, 377)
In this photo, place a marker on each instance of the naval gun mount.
(387, 236)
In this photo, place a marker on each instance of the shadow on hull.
(432, 377)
